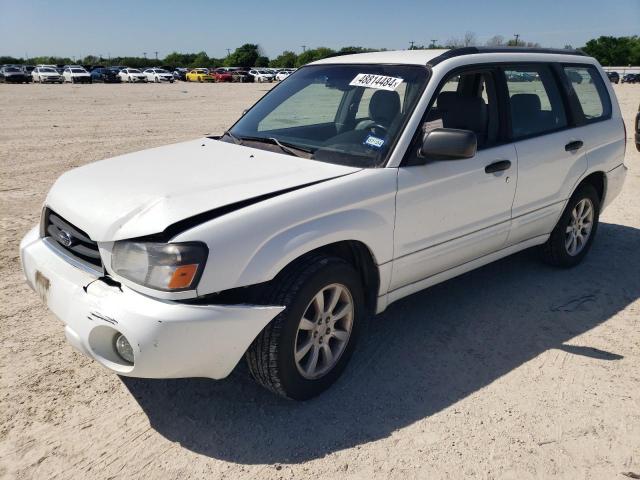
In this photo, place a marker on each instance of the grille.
(71, 241)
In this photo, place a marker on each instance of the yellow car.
(199, 75)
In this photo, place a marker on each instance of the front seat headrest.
(384, 106)
(525, 103)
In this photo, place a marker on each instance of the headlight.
(162, 266)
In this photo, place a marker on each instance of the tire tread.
(262, 355)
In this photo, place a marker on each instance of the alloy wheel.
(579, 229)
(324, 331)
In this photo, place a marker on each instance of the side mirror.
(448, 144)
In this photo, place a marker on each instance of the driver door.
(450, 212)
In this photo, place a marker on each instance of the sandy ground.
(514, 371)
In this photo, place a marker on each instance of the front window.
(346, 114)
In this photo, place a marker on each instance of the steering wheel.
(379, 127)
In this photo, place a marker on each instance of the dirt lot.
(514, 371)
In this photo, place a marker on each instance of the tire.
(271, 356)
(556, 251)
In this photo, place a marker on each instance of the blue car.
(105, 75)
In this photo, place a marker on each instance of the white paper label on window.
(379, 82)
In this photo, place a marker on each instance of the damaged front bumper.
(169, 339)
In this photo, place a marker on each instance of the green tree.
(286, 59)
(176, 59)
(244, 56)
(200, 60)
(614, 51)
(90, 60)
(262, 61)
(7, 59)
(313, 55)
(352, 50)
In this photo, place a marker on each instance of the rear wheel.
(573, 235)
(307, 346)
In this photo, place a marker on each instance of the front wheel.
(303, 351)
(573, 235)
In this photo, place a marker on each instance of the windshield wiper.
(285, 147)
(235, 139)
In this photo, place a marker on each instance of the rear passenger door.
(550, 149)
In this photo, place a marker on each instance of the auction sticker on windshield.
(379, 82)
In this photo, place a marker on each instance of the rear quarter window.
(590, 91)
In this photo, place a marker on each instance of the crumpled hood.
(143, 193)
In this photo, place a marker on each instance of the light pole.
(433, 42)
(411, 45)
(304, 48)
(517, 35)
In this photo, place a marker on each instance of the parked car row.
(631, 78)
(117, 73)
(614, 77)
(231, 74)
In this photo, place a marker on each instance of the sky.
(76, 28)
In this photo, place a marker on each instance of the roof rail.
(457, 52)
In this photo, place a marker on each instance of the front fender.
(282, 249)
(251, 245)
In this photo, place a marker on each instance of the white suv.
(46, 75)
(76, 74)
(358, 181)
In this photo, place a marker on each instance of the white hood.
(143, 193)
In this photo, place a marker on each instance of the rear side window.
(590, 91)
(535, 101)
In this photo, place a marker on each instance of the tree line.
(607, 50)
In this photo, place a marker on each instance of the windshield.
(134, 70)
(47, 70)
(78, 70)
(12, 69)
(346, 114)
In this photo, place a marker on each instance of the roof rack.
(457, 52)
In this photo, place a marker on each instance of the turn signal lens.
(183, 276)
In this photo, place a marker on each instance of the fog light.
(123, 347)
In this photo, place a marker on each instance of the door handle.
(498, 166)
(573, 146)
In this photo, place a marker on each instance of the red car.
(222, 75)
